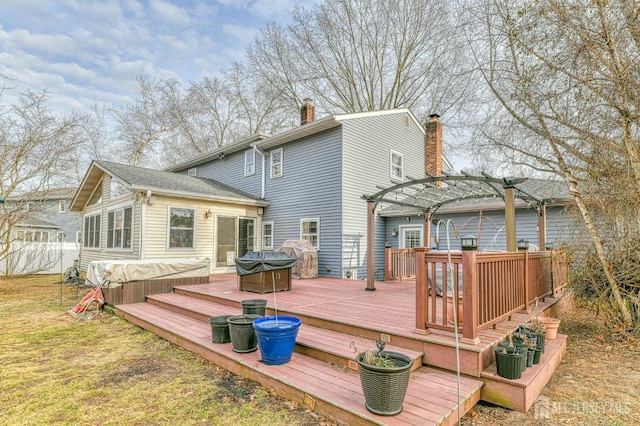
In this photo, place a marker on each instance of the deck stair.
(318, 374)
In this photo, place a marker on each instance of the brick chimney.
(433, 146)
(307, 112)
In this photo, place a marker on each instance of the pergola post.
(542, 226)
(510, 218)
(371, 286)
(426, 232)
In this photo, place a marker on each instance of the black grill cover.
(260, 261)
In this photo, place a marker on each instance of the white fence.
(39, 258)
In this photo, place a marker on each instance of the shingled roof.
(161, 182)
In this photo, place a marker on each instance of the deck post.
(421, 290)
(526, 279)
(470, 298)
(371, 286)
(387, 263)
(427, 230)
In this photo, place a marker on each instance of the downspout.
(264, 172)
(143, 229)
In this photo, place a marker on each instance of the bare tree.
(566, 82)
(35, 150)
(354, 55)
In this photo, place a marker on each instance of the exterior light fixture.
(469, 242)
(208, 214)
(522, 244)
(394, 232)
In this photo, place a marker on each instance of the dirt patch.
(595, 384)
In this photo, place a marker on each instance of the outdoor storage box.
(262, 272)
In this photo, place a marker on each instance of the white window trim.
(86, 232)
(249, 160)
(264, 246)
(404, 228)
(281, 151)
(193, 172)
(311, 219)
(169, 229)
(61, 206)
(391, 166)
(121, 247)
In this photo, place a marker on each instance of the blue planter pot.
(276, 338)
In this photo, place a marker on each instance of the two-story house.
(305, 183)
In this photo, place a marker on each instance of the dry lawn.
(103, 370)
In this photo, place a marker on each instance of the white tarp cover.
(307, 256)
(115, 272)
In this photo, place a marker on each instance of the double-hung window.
(61, 206)
(310, 231)
(119, 228)
(249, 162)
(182, 223)
(92, 231)
(396, 162)
(276, 160)
(267, 235)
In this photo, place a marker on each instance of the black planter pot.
(220, 329)
(384, 388)
(243, 336)
(530, 355)
(510, 362)
(536, 356)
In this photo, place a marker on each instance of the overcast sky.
(85, 52)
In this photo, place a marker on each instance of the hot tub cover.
(116, 272)
(261, 261)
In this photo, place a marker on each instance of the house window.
(192, 172)
(78, 237)
(30, 206)
(32, 236)
(249, 163)
(276, 163)
(310, 231)
(396, 171)
(117, 189)
(119, 228)
(96, 197)
(61, 207)
(181, 227)
(92, 231)
(267, 235)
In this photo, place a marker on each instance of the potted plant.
(511, 359)
(384, 376)
(450, 316)
(551, 326)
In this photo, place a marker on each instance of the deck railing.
(487, 287)
(399, 264)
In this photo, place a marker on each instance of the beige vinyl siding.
(157, 216)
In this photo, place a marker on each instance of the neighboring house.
(46, 226)
(136, 213)
(306, 183)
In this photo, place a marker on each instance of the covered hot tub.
(264, 271)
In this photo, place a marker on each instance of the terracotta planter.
(551, 326)
(450, 310)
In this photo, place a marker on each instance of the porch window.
(181, 227)
(396, 171)
(119, 228)
(276, 163)
(267, 235)
(310, 231)
(249, 163)
(92, 231)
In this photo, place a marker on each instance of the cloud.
(169, 13)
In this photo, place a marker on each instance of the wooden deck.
(335, 314)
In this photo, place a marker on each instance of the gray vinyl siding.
(230, 171)
(367, 144)
(310, 187)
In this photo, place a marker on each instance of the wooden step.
(520, 394)
(326, 345)
(431, 396)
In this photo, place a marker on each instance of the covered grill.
(264, 271)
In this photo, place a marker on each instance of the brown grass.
(102, 370)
